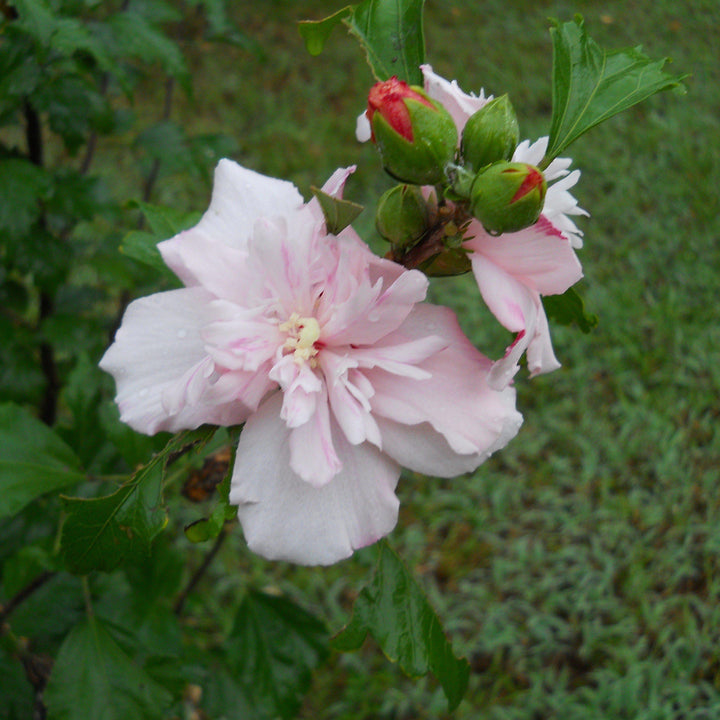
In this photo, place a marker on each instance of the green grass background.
(577, 569)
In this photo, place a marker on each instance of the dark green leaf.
(273, 648)
(164, 221)
(99, 533)
(24, 187)
(142, 245)
(591, 84)
(138, 38)
(338, 213)
(316, 32)
(94, 678)
(569, 308)
(396, 612)
(33, 460)
(391, 33)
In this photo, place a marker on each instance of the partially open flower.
(416, 136)
(508, 196)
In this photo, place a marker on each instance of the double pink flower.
(327, 353)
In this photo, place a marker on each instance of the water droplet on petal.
(143, 392)
(181, 333)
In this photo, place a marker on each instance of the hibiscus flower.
(326, 352)
(513, 270)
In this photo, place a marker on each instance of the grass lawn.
(578, 570)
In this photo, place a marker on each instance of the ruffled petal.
(454, 399)
(161, 369)
(240, 196)
(520, 310)
(285, 518)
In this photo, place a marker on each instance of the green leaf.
(100, 533)
(338, 213)
(391, 33)
(273, 648)
(94, 678)
(316, 32)
(569, 308)
(138, 38)
(24, 187)
(591, 84)
(33, 460)
(396, 612)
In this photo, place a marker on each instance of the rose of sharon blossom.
(513, 270)
(326, 353)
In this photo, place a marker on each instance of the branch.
(197, 576)
(22, 595)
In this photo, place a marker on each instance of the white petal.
(240, 196)
(285, 518)
(161, 368)
(363, 132)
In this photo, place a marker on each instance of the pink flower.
(513, 270)
(326, 353)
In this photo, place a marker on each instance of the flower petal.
(161, 368)
(459, 104)
(519, 309)
(285, 518)
(240, 196)
(539, 256)
(455, 400)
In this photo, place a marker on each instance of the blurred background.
(579, 569)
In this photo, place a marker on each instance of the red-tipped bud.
(416, 137)
(508, 196)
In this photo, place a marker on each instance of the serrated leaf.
(93, 677)
(272, 649)
(391, 33)
(100, 533)
(33, 460)
(142, 246)
(591, 84)
(165, 221)
(569, 308)
(396, 612)
(338, 213)
(316, 32)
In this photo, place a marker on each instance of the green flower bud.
(416, 136)
(491, 134)
(402, 215)
(508, 196)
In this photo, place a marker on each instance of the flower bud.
(402, 215)
(491, 134)
(416, 137)
(508, 196)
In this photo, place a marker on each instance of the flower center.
(303, 334)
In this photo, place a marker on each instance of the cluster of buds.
(418, 142)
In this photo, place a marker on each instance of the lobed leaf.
(591, 84)
(33, 460)
(100, 533)
(396, 612)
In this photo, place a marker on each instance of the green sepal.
(338, 213)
